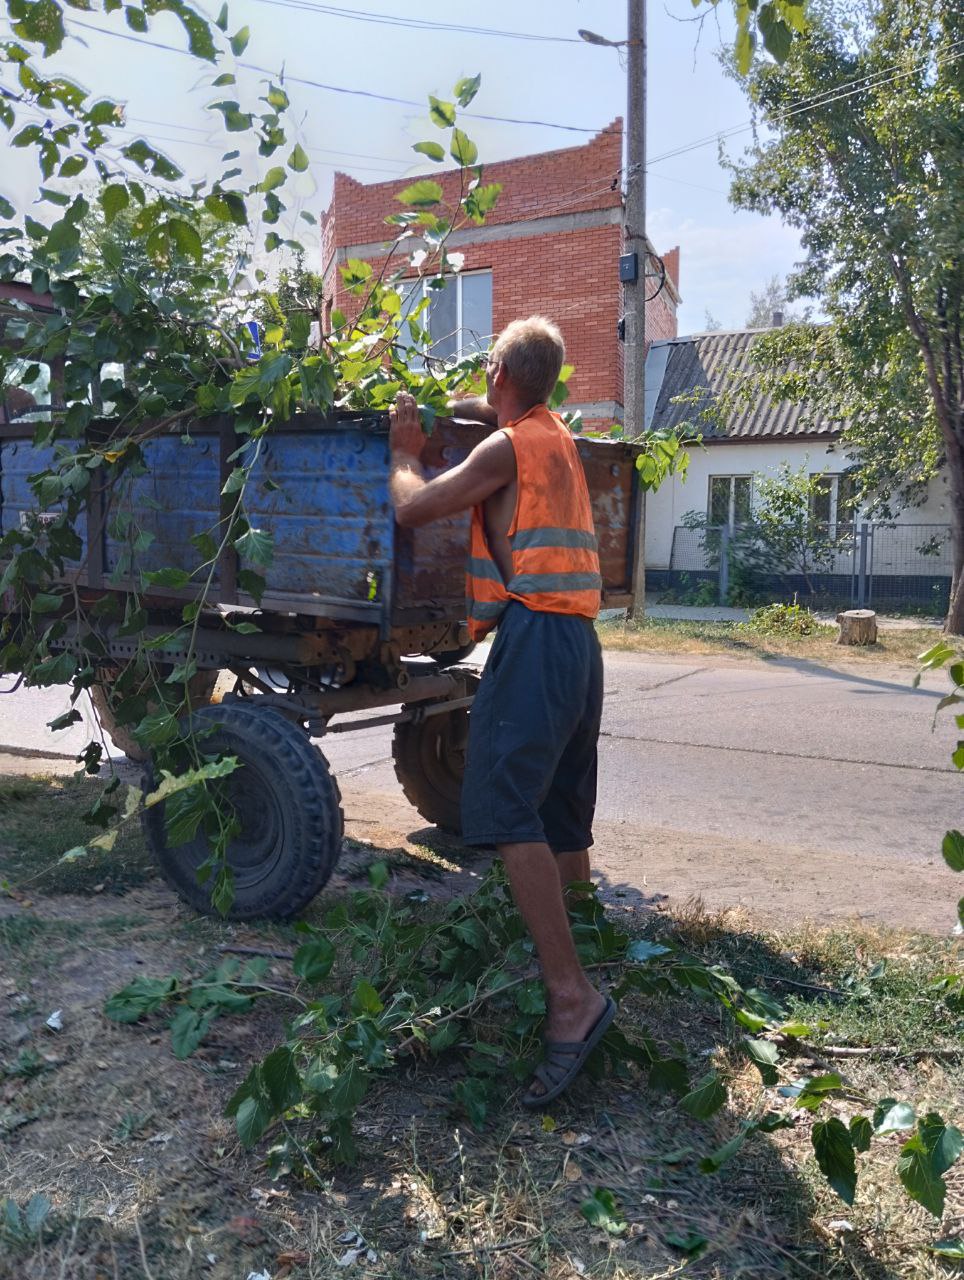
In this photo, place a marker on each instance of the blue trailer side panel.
(323, 497)
(20, 459)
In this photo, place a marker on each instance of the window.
(459, 316)
(730, 500)
(832, 501)
(26, 394)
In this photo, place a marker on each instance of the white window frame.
(834, 477)
(458, 276)
(731, 505)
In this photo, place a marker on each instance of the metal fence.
(904, 567)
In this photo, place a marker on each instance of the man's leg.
(574, 1003)
(573, 868)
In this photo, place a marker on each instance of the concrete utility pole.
(632, 265)
(634, 280)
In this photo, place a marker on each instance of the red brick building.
(550, 246)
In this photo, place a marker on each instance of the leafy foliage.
(388, 984)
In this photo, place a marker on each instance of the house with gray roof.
(689, 386)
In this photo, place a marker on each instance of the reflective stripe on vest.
(527, 539)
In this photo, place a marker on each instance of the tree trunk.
(857, 626)
(954, 623)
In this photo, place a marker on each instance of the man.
(530, 780)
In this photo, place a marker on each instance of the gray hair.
(532, 352)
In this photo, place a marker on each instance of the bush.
(785, 620)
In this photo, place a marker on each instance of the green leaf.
(777, 36)
(113, 199)
(280, 1077)
(706, 1097)
(691, 1243)
(925, 1158)
(188, 1030)
(251, 1118)
(378, 875)
(641, 951)
(765, 1055)
(257, 547)
(365, 998)
(138, 998)
(601, 1210)
(814, 1091)
(227, 206)
(953, 850)
(466, 89)
(237, 479)
(64, 721)
(44, 602)
(186, 238)
(41, 23)
(72, 166)
(226, 78)
(239, 41)
(442, 113)
(313, 960)
(434, 150)
(348, 1090)
(421, 194)
(273, 178)
(298, 160)
(834, 1150)
(136, 19)
(714, 1161)
(744, 45)
(951, 1249)
(891, 1116)
(861, 1132)
(175, 578)
(221, 20)
(463, 150)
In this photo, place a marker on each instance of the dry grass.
(896, 647)
(148, 1181)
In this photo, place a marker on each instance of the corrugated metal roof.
(702, 368)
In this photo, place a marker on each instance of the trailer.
(360, 623)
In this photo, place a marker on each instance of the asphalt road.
(785, 786)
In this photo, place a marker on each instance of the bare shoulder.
(494, 455)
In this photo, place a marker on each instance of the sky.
(557, 79)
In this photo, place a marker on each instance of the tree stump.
(857, 626)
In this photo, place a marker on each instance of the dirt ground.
(146, 1180)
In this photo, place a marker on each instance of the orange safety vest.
(555, 564)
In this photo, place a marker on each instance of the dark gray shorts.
(531, 766)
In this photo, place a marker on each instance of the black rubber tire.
(451, 657)
(290, 808)
(430, 761)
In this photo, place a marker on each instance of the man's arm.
(417, 501)
(474, 409)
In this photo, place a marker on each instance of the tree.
(710, 322)
(772, 301)
(865, 118)
(774, 22)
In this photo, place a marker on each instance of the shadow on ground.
(145, 1177)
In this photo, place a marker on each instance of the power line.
(815, 102)
(332, 88)
(418, 24)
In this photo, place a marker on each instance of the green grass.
(41, 818)
(686, 636)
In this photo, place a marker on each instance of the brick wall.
(570, 275)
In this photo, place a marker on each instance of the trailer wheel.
(201, 690)
(429, 760)
(289, 806)
(451, 657)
